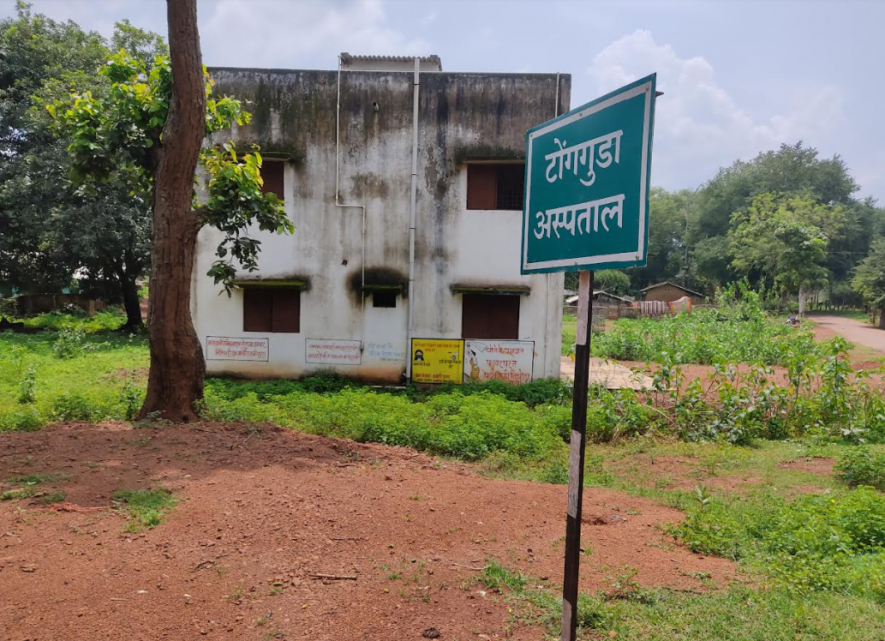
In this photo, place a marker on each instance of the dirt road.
(854, 331)
(263, 515)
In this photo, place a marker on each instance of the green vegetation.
(468, 426)
(862, 466)
(812, 564)
(146, 507)
(569, 333)
(74, 375)
(832, 543)
(737, 331)
(30, 486)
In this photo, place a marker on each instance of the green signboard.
(587, 182)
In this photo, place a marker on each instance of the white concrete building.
(361, 156)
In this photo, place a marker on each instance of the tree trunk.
(131, 303)
(881, 318)
(801, 301)
(175, 382)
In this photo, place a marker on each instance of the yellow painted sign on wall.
(437, 360)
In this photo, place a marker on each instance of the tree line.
(787, 221)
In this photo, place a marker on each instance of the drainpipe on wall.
(338, 203)
(412, 207)
(550, 276)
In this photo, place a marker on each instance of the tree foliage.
(869, 277)
(52, 231)
(782, 240)
(123, 129)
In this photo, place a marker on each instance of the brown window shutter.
(257, 310)
(490, 316)
(481, 186)
(272, 174)
(287, 310)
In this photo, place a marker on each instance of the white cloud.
(298, 34)
(699, 127)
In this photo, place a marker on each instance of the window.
(495, 186)
(272, 174)
(271, 310)
(490, 316)
(384, 298)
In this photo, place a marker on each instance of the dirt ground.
(853, 330)
(261, 514)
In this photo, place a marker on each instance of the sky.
(739, 76)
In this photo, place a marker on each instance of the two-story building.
(405, 185)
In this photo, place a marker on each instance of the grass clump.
(146, 507)
(541, 605)
(30, 486)
(862, 466)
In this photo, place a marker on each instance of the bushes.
(738, 331)
(862, 466)
(818, 542)
(467, 426)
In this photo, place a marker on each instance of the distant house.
(668, 292)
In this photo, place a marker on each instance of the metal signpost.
(586, 208)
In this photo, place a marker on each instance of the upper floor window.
(495, 185)
(272, 174)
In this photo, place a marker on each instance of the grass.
(97, 376)
(569, 333)
(146, 508)
(30, 486)
(738, 612)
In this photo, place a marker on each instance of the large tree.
(52, 230)
(782, 241)
(793, 170)
(869, 278)
(152, 123)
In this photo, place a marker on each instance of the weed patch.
(832, 543)
(862, 466)
(146, 507)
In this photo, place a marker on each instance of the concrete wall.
(463, 117)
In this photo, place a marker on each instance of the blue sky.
(740, 76)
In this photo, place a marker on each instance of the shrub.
(78, 407)
(69, 343)
(8, 307)
(26, 420)
(862, 466)
(27, 387)
(56, 321)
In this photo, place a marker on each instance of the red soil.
(260, 515)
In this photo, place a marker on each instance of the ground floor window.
(490, 316)
(271, 310)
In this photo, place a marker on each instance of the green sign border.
(601, 261)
